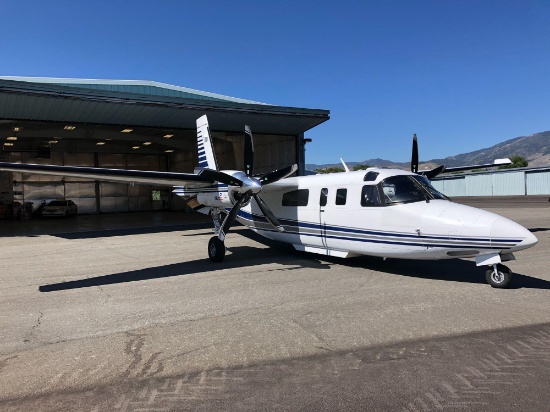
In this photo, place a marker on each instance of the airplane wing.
(111, 175)
(497, 162)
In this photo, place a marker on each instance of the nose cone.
(511, 235)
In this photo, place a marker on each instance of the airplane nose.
(504, 228)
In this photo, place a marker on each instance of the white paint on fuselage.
(438, 229)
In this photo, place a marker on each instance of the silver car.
(60, 208)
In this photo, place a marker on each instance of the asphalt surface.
(126, 313)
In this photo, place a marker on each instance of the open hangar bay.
(139, 125)
(125, 312)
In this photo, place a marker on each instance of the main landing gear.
(499, 276)
(216, 246)
(216, 249)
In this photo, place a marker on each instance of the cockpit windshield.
(427, 185)
(406, 189)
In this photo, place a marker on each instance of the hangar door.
(121, 197)
(37, 188)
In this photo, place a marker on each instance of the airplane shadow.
(539, 229)
(240, 257)
(94, 234)
(452, 270)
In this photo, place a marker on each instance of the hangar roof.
(132, 86)
(145, 103)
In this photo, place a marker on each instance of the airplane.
(389, 213)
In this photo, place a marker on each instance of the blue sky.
(463, 75)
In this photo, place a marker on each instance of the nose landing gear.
(499, 276)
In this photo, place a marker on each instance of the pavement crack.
(4, 362)
(141, 366)
(322, 344)
(133, 349)
(39, 321)
(33, 328)
(106, 294)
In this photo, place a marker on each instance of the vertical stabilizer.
(205, 145)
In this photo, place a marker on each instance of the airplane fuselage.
(328, 214)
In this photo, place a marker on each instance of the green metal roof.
(145, 87)
(143, 103)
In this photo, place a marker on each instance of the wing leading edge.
(110, 175)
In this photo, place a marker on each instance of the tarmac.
(125, 312)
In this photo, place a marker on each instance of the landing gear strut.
(499, 276)
(215, 214)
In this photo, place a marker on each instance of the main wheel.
(498, 276)
(216, 249)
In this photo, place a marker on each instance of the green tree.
(517, 161)
(361, 167)
(329, 170)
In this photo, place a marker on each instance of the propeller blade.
(269, 214)
(414, 157)
(230, 218)
(216, 176)
(248, 152)
(271, 177)
(430, 174)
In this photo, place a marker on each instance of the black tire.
(501, 279)
(216, 249)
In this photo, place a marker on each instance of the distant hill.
(535, 148)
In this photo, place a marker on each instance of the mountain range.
(535, 148)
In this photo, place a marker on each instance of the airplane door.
(323, 198)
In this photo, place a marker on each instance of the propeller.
(414, 157)
(430, 174)
(414, 163)
(249, 186)
(248, 152)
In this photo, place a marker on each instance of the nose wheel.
(499, 276)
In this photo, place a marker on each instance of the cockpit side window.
(296, 197)
(370, 196)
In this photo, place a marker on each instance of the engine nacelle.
(216, 199)
(227, 196)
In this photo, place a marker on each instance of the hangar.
(140, 125)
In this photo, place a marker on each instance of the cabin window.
(341, 195)
(324, 196)
(370, 196)
(298, 197)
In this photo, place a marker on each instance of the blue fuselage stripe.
(342, 233)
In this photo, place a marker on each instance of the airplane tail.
(207, 160)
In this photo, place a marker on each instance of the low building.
(504, 182)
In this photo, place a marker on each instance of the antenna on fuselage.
(346, 168)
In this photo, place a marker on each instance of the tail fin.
(205, 145)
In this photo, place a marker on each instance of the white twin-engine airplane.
(379, 212)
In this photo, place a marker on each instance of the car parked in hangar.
(60, 208)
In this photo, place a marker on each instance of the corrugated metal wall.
(501, 183)
(538, 183)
